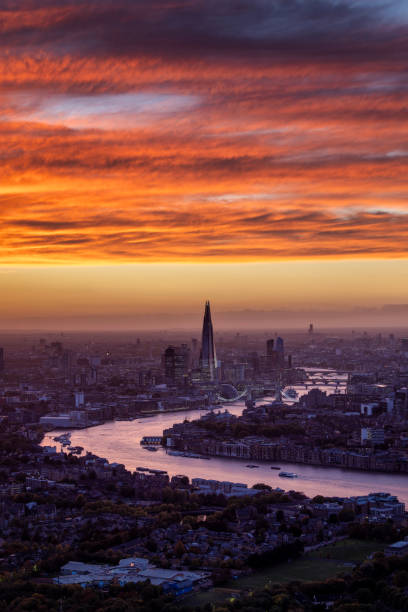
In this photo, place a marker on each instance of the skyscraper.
(275, 354)
(176, 363)
(279, 347)
(269, 347)
(271, 359)
(208, 357)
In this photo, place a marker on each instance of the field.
(320, 564)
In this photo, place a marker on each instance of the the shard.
(208, 357)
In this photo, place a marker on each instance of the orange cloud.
(124, 136)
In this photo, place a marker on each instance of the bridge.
(228, 394)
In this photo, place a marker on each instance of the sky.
(157, 153)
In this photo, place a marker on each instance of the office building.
(270, 347)
(208, 357)
(275, 354)
(176, 363)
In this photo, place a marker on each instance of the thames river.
(119, 441)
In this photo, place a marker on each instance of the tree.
(400, 579)
(346, 516)
(262, 487)
(364, 596)
(179, 549)
(116, 605)
(80, 501)
(151, 545)
(319, 499)
(221, 576)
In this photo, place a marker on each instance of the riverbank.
(271, 452)
(140, 415)
(119, 441)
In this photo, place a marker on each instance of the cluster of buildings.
(75, 382)
(131, 570)
(229, 489)
(174, 532)
(362, 425)
(184, 365)
(168, 529)
(72, 381)
(188, 437)
(375, 507)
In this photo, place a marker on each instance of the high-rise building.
(195, 352)
(269, 347)
(208, 357)
(66, 362)
(176, 363)
(280, 349)
(401, 402)
(271, 359)
(275, 354)
(279, 346)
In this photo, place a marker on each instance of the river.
(119, 441)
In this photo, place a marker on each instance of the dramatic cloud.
(154, 130)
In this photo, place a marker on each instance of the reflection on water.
(120, 441)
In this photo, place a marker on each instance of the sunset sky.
(158, 153)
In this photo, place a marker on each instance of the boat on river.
(176, 453)
(153, 471)
(288, 475)
(75, 450)
(63, 438)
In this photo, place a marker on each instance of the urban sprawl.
(73, 522)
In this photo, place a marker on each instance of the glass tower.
(208, 357)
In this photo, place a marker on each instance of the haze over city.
(338, 293)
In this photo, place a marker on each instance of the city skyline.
(204, 305)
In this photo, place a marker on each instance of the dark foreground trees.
(275, 555)
(19, 596)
